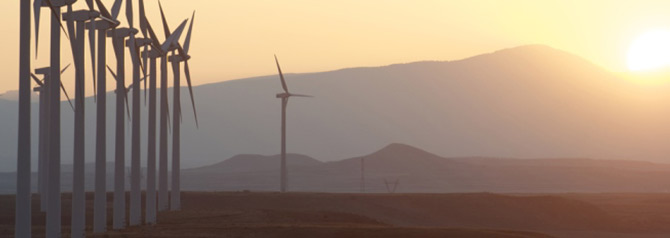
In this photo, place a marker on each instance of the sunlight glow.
(650, 51)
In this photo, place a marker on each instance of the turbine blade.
(129, 12)
(143, 19)
(65, 68)
(173, 37)
(36, 79)
(116, 8)
(90, 5)
(145, 62)
(37, 7)
(301, 95)
(131, 49)
(166, 29)
(190, 91)
(66, 95)
(73, 40)
(144, 29)
(281, 76)
(102, 9)
(53, 10)
(130, 87)
(125, 95)
(112, 72)
(155, 44)
(187, 42)
(91, 43)
(104, 13)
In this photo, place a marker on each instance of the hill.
(525, 102)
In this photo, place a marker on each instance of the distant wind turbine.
(284, 102)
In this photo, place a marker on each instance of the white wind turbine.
(76, 25)
(53, 216)
(175, 198)
(284, 102)
(162, 196)
(152, 55)
(118, 36)
(22, 219)
(135, 193)
(102, 26)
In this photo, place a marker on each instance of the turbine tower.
(163, 130)
(106, 22)
(53, 216)
(118, 36)
(23, 199)
(284, 102)
(133, 45)
(175, 198)
(76, 23)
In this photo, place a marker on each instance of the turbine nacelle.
(80, 15)
(140, 42)
(153, 53)
(283, 95)
(103, 25)
(57, 3)
(43, 71)
(122, 32)
(179, 58)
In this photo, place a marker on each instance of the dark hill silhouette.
(248, 162)
(421, 171)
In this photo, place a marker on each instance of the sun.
(650, 51)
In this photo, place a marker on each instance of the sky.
(237, 39)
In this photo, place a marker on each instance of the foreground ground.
(223, 214)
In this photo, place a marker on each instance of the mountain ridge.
(485, 105)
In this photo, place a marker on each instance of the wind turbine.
(106, 22)
(135, 193)
(43, 140)
(22, 219)
(175, 198)
(171, 45)
(77, 34)
(118, 36)
(53, 216)
(284, 102)
(155, 53)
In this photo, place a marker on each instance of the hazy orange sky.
(236, 39)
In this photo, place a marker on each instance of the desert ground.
(481, 215)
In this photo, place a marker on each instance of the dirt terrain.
(481, 215)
